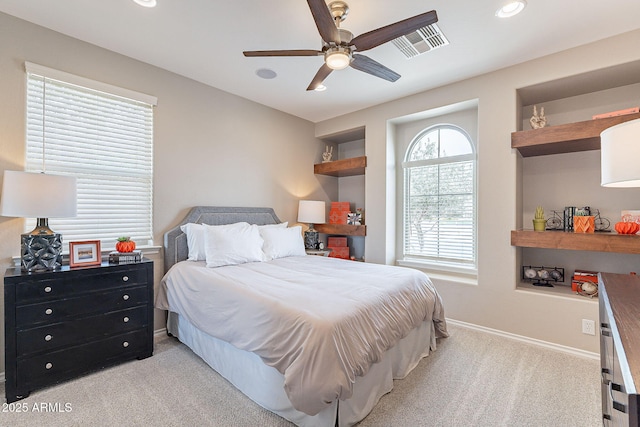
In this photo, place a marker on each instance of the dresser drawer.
(97, 302)
(59, 365)
(79, 331)
(37, 288)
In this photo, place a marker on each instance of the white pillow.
(279, 225)
(232, 245)
(282, 242)
(195, 240)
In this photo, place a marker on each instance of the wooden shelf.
(600, 242)
(567, 138)
(344, 167)
(558, 290)
(342, 229)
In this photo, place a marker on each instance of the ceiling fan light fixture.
(320, 88)
(511, 9)
(338, 58)
(146, 3)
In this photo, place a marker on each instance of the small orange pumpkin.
(627, 227)
(125, 244)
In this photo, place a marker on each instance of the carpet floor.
(473, 379)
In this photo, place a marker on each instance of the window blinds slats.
(439, 205)
(106, 142)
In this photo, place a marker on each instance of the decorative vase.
(539, 224)
(584, 224)
(627, 227)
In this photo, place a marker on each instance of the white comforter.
(319, 321)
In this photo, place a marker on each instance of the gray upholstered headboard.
(175, 241)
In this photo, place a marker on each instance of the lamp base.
(41, 251)
(311, 239)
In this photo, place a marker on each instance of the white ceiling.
(204, 40)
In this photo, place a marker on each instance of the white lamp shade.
(38, 195)
(311, 211)
(620, 155)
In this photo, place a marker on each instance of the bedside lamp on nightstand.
(311, 212)
(41, 196)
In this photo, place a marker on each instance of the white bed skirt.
(265, 385)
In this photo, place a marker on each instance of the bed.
(316, 340)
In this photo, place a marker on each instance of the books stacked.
(116, 257)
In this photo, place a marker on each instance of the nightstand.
(318, 252)
(66, 323)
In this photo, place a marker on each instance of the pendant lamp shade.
(620, 155)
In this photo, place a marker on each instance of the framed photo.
(83, 254)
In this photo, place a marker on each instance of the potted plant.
(583, 222)
(538, 219)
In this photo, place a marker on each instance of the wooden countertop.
(623, 292)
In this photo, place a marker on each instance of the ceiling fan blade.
(322, 74)
(299, 52)
(324, 21)
(368, 65)
(393, 31)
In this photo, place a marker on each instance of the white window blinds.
(102, 137)
(440, 198)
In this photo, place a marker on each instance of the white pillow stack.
(241, 242)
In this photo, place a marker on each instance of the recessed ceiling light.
(320, 88)
(146, 3)
(511, 9)
(266, 73)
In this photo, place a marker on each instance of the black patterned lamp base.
(41, 252)
(311, 239)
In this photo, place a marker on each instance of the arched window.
(440, 197)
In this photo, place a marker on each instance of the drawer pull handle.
(125, 320)
(47, 289)
(125, 344)
(48, 311)
(125, 297)
(48, 338)
(125, 278)
(48, 365)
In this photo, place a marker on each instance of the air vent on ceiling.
(422, 40)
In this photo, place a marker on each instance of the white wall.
(210, 147)
(493, 302)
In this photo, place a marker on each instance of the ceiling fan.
(339, 45)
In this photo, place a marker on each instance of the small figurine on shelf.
(538, 121)
(353, 218)
(327, 155)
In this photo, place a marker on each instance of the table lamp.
(311, 212)
(41, 196)
(620, 154)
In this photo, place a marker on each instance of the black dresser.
(62, 324)
(620, 348)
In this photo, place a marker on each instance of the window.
(439, 217)
(103, 136)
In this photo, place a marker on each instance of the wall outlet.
(588, 327)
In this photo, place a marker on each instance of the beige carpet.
(473, 379)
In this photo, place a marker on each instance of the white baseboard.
(534, 341)
(160, 333)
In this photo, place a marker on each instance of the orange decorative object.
(338, 212)
(584, 224)
(335, 242)
(125, 244)
(627, 227)
(339, 252)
